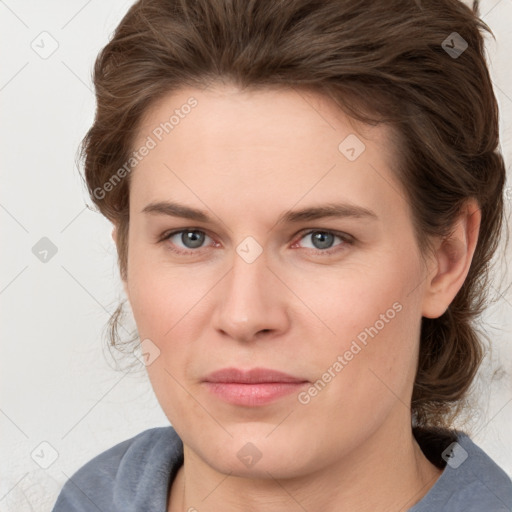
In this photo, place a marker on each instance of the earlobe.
(453, 256)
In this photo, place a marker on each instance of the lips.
(252, 376)
(252, 388)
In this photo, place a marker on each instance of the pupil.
(194, 237)
(321, 237)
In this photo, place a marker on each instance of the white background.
(58, 383)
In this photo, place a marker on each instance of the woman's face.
(255, 281)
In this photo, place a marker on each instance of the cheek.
(161, 295)
(374, 317)
(160, 306)
(364, 303)
(379, 343)
(165, 306)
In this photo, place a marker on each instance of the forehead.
(232, 116)
(282, 145)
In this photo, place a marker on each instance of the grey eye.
(192, 239)
(321, 239)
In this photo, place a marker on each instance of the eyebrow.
(338, 210)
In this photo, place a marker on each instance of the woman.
(305, 197)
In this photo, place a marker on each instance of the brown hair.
(382, 62)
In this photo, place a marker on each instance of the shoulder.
(135, 470)
(471, 481)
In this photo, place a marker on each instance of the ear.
(114, 237)
(451, 261)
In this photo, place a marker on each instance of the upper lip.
(251, 376)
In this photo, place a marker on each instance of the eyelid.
(341, 234)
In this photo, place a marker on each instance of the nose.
(251, 302)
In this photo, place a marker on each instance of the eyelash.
(347, 239)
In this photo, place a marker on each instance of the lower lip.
(253, 394)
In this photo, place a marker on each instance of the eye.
(191, 239)
(322, 241)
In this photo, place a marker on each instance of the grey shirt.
(135, 475)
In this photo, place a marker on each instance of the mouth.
(254, 387)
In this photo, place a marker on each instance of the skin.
(245, 158)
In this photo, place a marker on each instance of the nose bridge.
(249, 300)
(248, 278)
